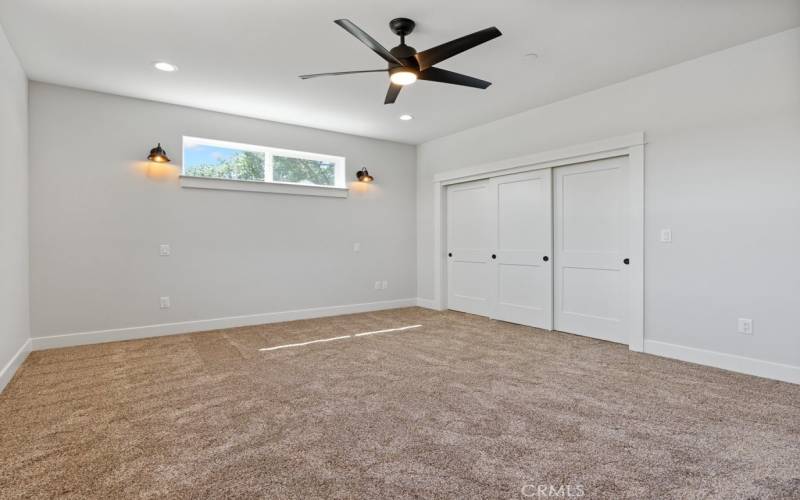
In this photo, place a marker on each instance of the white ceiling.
(243, 56)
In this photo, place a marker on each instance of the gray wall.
(722, 169)
(14, 329)
(99, 213)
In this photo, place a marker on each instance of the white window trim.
(188, 181)
(338, 190)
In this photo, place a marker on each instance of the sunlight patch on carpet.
(300, 344)
(388, 330)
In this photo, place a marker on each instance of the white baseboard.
(11, 367)
(139, 332)
(741, 364)
(427, 303)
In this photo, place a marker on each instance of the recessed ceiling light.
(165, 66)
(405, 118)
(532, 55)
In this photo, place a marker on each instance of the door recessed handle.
(545, 258)
(626, 261)
(450, 254)
(494, 256)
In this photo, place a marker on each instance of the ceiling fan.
(406, 65)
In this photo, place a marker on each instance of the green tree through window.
(244, 165)
(286, 169)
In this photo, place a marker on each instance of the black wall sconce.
(363, 175)
(157, 154)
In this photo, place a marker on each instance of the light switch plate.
(745, 326)
(164, 250)
(164, 302)
(666, 235)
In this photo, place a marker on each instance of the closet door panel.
(468, 246)
(522, 277)
(591, 239)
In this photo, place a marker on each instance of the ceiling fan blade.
(428, 58)
(368, 41)
(444, 76)
(316, 75)
(392, 93)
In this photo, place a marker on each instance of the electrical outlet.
(164, 302)
(666, 235)
(377, 285)
(164, 250)
(384, 285)
(356, 247)
(745, 326)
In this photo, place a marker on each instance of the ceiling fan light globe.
(403, 77)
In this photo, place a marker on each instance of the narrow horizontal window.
(222, 160)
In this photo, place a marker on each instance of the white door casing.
(591, 277)
(521, 223)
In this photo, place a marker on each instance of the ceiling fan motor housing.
(406, 54)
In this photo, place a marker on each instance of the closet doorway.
(554, 247)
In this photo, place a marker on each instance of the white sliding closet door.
(468, 247)
(592, 282)
(522, 280)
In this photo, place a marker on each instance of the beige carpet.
(461, 407)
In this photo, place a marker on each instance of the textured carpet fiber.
(459, 407)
